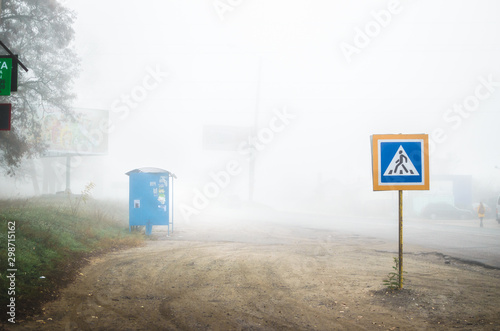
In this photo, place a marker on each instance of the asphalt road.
(463, 239)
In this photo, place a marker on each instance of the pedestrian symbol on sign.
(401, 165)
(400, 162)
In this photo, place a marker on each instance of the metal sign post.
(400, 239)
(400, 162)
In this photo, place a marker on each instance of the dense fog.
(271, 104)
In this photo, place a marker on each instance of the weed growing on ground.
(75, 201)
(392, 280)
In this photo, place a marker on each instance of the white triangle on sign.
(401, 165)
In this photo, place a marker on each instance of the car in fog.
(443, 210)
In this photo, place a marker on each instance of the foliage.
(392, 280)
(52, 242)
(75, 202)
(40, 32)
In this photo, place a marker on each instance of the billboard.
(83, 134)
(224, 138)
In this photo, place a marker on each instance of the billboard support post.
(68, 174)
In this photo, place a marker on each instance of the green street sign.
(5, 75)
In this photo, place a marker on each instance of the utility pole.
(253, 154)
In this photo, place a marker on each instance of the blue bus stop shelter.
(150, 198)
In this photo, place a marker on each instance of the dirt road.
(260, 276)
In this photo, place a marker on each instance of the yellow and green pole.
(400, 239)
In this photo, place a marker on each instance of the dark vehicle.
(444, 210)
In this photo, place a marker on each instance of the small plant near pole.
(392, 281)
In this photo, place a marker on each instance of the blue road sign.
(400, 162)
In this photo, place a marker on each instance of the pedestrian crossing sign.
(400, 162)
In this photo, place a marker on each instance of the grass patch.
(52, 242)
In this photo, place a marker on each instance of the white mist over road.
(168, 72)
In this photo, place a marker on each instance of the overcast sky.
(343, 69)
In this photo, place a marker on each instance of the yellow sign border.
(376, 172)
